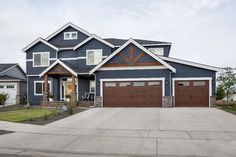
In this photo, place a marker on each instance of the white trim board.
(93, 36)
(139, 46)
(203, 66)
(64, 27)
(192, 79)
(62, 64)
(39, 40)
(131, 79)
(131, 68)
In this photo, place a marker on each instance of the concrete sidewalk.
(127, 132)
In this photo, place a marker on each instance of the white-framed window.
(41, 59)
(70, 35)
(39, 87)
(93, 56)
(157, 50)
(92, 86)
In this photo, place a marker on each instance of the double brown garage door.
(132, 94)
(192, 93)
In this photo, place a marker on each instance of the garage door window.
(139, 84)
(199, 83)
(183, 83)
(1, 86)
(10, 86)
(110, 84)
(124, 84)
(153, 83)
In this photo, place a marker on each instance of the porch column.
(45, 93)
(73, 100)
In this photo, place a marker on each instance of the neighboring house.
(13, 82)
(121, 73)
(231, 98)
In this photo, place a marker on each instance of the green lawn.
(228, 108)
(26, 114)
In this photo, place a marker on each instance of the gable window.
(39, 87)
(157, 50)
(70, 35)
(91, 86)
(40, 59)
(94, 56)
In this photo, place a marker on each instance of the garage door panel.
(11, 89)
(192, 93)
(136, 94)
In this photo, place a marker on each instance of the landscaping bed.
(230, 107)
(36, 115)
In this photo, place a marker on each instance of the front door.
(66, 87)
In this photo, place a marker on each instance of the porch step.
(86, 103)
(56, 103)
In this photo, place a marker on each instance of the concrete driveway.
(129, 132)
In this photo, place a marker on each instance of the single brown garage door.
(132, 94)
(192, 93)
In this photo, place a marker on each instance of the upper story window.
(40, 59)
(70, 35)
(157, 50)
(94, 56)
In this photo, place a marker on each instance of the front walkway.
(128, 132)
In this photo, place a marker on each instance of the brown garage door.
(191, 93)
(132, 94)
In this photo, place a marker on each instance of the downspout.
(171, 96)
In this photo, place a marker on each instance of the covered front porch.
(62, 85)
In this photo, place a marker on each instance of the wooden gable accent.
(131, 60)
(58, 69)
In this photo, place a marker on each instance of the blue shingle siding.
(35, 100)
(40, 47)
(30, 70)
(166, 49)
(59, 41)
(67, 54)
(156, 73)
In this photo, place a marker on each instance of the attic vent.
(70, 35)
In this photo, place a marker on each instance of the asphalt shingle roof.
(4, 67)
(119, 42)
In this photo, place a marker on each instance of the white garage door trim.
(192, 79)
(5, 90)
(131, 79)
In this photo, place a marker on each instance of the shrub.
(220, 94)
(45, 117)
(70, 110)
(3, 98)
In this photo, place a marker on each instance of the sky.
(202, 31)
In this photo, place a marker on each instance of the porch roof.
(65, 65)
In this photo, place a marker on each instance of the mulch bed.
(42, 121)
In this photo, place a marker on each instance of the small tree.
(227, 80)
(220, 94)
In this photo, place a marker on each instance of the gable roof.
(119, 42)
(139, 46)
(198, 65)
(58, 61)
(39, 40)
(69, 24)
(5, 67)
(93, 36)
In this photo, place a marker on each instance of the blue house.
(73, 64)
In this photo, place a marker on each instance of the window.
(153, 83)
(10, 86)
(39, 87)
(199, 83)
(110, 84)
(94, 56)
(1, 86)
(41, 59)
(183, 83)
(124, 84)
(92, 86)
(70, 35)
(157, 50)
(139, 83)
